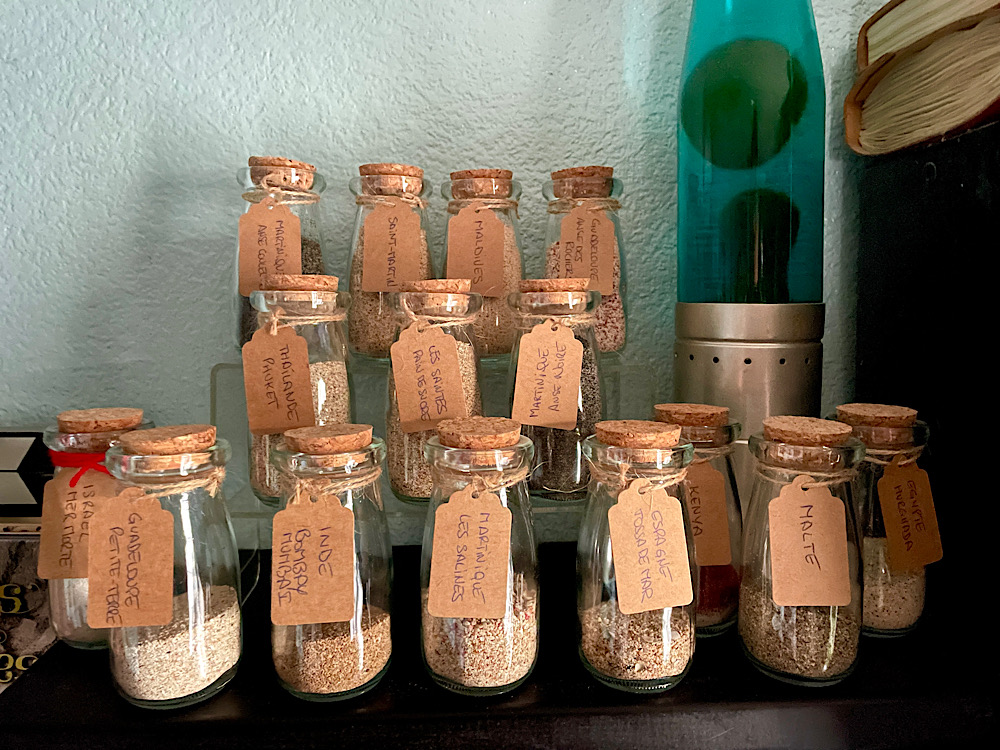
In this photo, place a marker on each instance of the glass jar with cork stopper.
(483, 246)
(635, 558)
(800, 593)
(389, 248)
(555, 381)
(176, 633)
(280, 231)
(434, 375)
(478, 567)
(77, 446)
(896, 518)
(584, 239)
(713, 505)
(313, 308)
(332, 564)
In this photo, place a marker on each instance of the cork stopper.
(554, 285)
(481, 183)
(169, 441)
(328, 439)
(282, 172)
(388, 178)
(99, 420)
(876, 415)
(638, 433)
(438, 286)
(479, 433)
(286, 282)
(806, 431)
(583, 182)
(692, 415)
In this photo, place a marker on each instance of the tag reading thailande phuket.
(270, 243)
(587, 249)
(391, 248)
(476, 249)
(547, 382)
(131, 568)
(312, 565)
(649, 550)
(808, 540)
(470, 562)
(911, 527)
(276, 380)
(428, 378)
(706, 503)
(67, 512)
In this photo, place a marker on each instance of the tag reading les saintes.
(427, 377)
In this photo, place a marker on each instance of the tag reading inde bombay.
(67, 513)
(587, 249)
(276, 380)
(808, 534)
(706, 503)
(649, 550)
(270, 243)
(428, 378)
(471, 556)
(312, 566)
(391, 248)
(547, 383)
(131, 563)
(476, 249)
(911, 527)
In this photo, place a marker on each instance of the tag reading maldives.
(471, 556)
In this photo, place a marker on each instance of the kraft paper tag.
(67, 514)
(547, 382)
(277, 383)
(470, 562)
(808, 536)
(911, 527)
(649, 550)
(706, 503)
(313, 563)
(428, 378)
(270, 243)
(131, 563)
(391, 248)
(476, 249)
(587, 249)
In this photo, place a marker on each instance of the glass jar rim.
(549, 303)
(639, 459)
(548, 188)
(327, 464)
(475, 461)
(512, 187)
(356, 186)
(806, 458)
(710, 436)
(244, 180)
(73, 442)
(882, 436)
(443, 304)
(301, 303)
(137, 467)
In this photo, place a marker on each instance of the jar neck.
(85, 442)
(341, 471)
(617, 466)
(786, 460)
(175, 473)
(492, 469)
(299, 308)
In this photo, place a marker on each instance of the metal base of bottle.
(758, 360)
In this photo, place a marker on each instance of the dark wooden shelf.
(923, 690)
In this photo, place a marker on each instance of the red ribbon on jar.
(83, 461)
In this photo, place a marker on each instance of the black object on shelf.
(922, 690)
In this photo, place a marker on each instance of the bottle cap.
(481, 183)
(692, 415)
(806, 431)
(876, 415)
(282, 172)
(169, 441)
(99, 420)
(554, 285)
(388, 178)
(479, 433)
(582, 182)
(328, 439)
(638, 433)
(286, 282)
(438, 286)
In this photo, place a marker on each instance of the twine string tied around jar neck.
(625, 476)
(483, 204)
(414, 201)
(211, 482)
(820, 478)
(275, 316)
(565, 205)
(570, 321)
(489, 483)
(886, 456)
(704, 455)
(323, 486)
(423, 322)
(270, 187)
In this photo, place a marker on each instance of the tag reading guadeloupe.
(649, 550)
(470, 562)
(808, 541)
(587, 249)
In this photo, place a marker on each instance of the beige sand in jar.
(609, 318)
(484, 653)
(331, 396)
(183, 657)
(409, 474)
(893, 600)
(329, 658)
(496, 323)
(637, 647)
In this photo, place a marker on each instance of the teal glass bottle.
(751, 142)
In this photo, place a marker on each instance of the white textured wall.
(123, 125)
